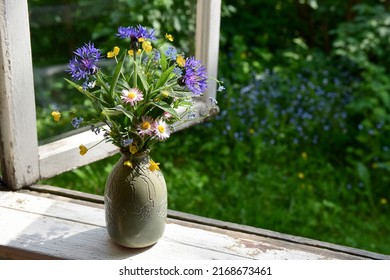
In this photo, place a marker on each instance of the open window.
(23, 160)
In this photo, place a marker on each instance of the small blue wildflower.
(156, 55)
(171, 53)
(178, 71)
(83, 64)
(76, 122)
(95, 129)
(191, 115)
(127, 142)
(88, 84)
(213, 101)
(220, 88)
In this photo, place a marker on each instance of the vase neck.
(138, 156)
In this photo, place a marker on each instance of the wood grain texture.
(18, 135)
(46, 228)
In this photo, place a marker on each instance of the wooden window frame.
(23, 161)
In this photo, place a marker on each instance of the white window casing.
(18, 145)
(23, 162)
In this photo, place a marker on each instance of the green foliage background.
(301, 145)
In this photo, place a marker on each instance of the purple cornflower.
(83, 64)
(195, 76)
(135, 33)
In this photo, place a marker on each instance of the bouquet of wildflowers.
(138, 100)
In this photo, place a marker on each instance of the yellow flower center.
(145, 125)
(161, 128)
(131, 95)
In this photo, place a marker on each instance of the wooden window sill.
(36, 225)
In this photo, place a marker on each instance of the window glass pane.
(59, 27)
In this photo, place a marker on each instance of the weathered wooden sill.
(46, 225)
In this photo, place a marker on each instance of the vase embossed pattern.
(135, 201)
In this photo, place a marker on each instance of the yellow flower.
(141, 40)
(301, 175)
(180, 60)
(56, 115)
(133, 149)
(113, 53)
(83, 150)
(304, 155)
(131, 52)
(128, 163)
(383, 201)
(153, 165)
(251, 131)
(147, 46)
(169, 37)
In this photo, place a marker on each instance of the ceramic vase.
(135, 200)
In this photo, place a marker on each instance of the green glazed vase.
(135, 202)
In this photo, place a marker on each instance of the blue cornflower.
(195, 76)
(126, 32)
(145, 33)
(76, 122)
(135, 33)
(83, 64)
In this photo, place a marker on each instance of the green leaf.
(117, 72)
(76, 86)
(163, 61)
(142, 77)
(85, 92)
(164, 106)
(363, 173)
(116, 111)
(164, 77)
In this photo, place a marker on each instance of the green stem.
(135, 68)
